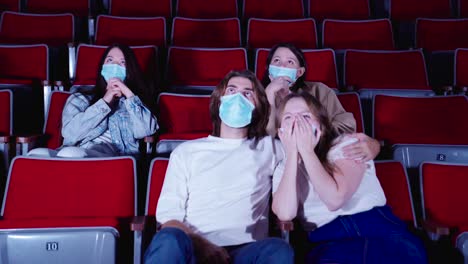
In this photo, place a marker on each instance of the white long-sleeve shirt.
(221, 188)
(313, 212)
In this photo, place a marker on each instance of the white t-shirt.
(221, 188)
(312, 212)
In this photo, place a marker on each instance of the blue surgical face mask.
(112, 70)
(236, 110)
(276, 71)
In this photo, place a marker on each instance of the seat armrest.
(383, 143)
(27, 139)
(350, 88)
(285, 225)
(435, 228)
(144, 228)
(5, 147)
(143, 223)
(447, 89)
(71, 62)
(59, 85)
(149, 143)
(25, 143)
(5, 139)
(461, 89)
(138, 223)
(150, 139)
(91, 29)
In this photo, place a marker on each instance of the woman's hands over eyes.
(299, 134)
(307, 134)
(363, 150)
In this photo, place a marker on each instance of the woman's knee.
(170, 243)
(42, 152)
(72, 152)
(172, 237)
(279, 250)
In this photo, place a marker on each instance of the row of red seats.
(84, 210)
(362, 69)
(433, 36)
(319, 9)
(430, 34)
(200, 69)
(415, 129)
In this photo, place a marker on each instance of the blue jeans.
(374, 236)
(172, 245)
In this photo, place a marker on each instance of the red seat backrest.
(17, 66)
(140, 8)
(463, 8)
(207, 8)
(53, 123)
(214, 33)
(182, 113)
(441, 34)
(444, 193)
(77, 7)
(131, 31)
(339, 9)
(49, 188)
(203, 66)
(421, 120)
(386, 69)
(156, 176)
(6, 112)
(395, 183)
(408, 10)
(10, 5)
(265, 33)
(461, 67)
(351, 103)
(358, 34)
(23, 28)
(273, 9)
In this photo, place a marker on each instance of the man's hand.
(207, 252)
(365, 149)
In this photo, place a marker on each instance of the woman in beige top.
(285, 73)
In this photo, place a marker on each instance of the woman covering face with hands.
(109, 118)
(339, 201)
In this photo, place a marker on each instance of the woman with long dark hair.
(109, 118)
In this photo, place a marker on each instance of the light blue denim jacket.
(129, 121)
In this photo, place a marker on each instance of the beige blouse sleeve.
(341, 120)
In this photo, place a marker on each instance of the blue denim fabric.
(268, 250)
(374, 236)
(171, 245)
(127, 122)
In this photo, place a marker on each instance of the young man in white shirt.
(214, 203)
